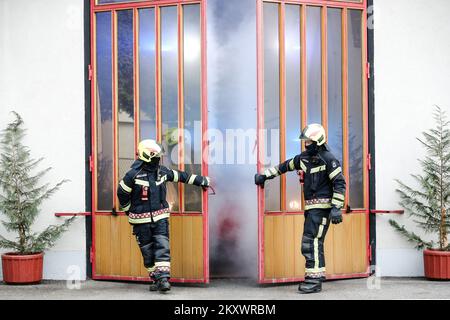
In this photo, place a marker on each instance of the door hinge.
(369, 161)
(368, 70)
(91, 164)
(91, 255)
(90, 72)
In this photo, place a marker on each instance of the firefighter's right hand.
(260, 179)
(336, 215)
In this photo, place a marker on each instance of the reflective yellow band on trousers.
(125, 187)
(152, 269)
(315, 270)
(316, 247)
(162, 264)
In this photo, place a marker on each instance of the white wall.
(41, 77)
(412, 73)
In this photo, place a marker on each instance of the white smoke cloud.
(232, 105)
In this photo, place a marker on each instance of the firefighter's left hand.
(260, 179)
(206, 183)
(336, 215)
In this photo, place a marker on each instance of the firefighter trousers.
(153, 240)
(317, 222)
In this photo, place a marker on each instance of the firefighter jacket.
(324, 184)
(142, 192)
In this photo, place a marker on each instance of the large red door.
(149, 82)
(312, 69)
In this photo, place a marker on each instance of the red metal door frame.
(94, 8)
(345, 5)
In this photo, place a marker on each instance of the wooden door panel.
(345, 247)
(118, 255)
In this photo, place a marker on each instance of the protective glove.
(206, 183)
(336, 215)
(260, 179)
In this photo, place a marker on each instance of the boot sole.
(309, 291)
(163, 290)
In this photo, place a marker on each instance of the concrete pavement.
(236, 289)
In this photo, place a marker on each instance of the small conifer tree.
(429, 204)
(21, 194)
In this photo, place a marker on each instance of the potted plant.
(20, 198)
(429, 203)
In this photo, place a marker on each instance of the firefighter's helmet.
(314, 132)
(149, 149)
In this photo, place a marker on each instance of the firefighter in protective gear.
(324, 192)
(142, 196)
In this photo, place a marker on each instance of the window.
(148, 85)
(149, 82)
(311, 68)
(313, 71)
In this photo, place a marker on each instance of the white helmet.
(149, 149)
(314, 132)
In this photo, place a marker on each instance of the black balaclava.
(153, 165)
(312, 149)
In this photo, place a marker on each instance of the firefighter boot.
(310, 286)
(163, 285)
(153, 286)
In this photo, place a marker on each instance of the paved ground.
(240, 289)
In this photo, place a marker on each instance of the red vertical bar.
(158, 73)
(136, 78)
(204, 97)
(260, 128)
(324, 69)
(345, 100)
(115, 102)
(365, 79)
(282, 58)
(180, 105)
(93, 133)
(366, 131)
(304, 80)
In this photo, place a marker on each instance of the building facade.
(92, 79)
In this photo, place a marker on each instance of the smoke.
(232, 105)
